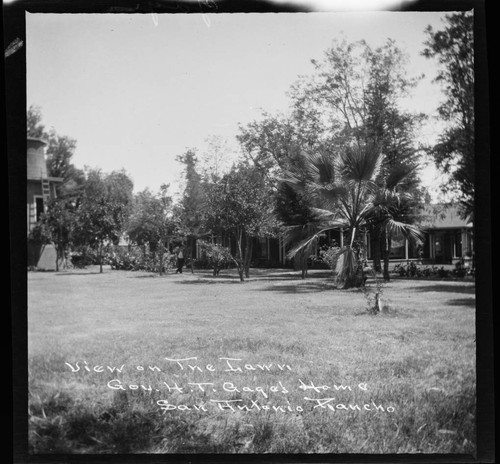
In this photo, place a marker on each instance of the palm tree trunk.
(353, 235)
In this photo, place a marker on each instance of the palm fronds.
(397, 175)
(347, 264)
(407, 230)
(360, 164)
(305, 237)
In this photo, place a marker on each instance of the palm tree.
(345, 191)
(388, 206)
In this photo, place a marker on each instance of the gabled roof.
(441, 216)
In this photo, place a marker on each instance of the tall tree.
(297, 221)
(189, 212)
(271, 143)
(354, 97)
(216, 160)
(453, 47)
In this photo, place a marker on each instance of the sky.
(137, 90)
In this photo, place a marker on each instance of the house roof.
(36, 141)
(441, 216)
(50, 179)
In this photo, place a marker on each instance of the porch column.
(406, 249)
(432, 246)
(453, 247)
(463, 235)
(341, 238)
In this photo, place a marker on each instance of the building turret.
(36, 165)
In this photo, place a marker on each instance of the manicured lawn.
(402, 381)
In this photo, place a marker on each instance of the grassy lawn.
(402, 381)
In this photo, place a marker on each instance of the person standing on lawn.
(180, 259)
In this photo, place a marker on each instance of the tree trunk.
(239, 252)
(387, 253)
(377, 266)
(160, 250)
(57, 258)
(248, 255)
(303, 263)
(100, 257)
(191, 260)
(351, 280)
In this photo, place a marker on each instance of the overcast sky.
(136, 90)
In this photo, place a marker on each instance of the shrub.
(412, 270)
(86, 256)
(329, 255)
(217, 256)
(136, 259)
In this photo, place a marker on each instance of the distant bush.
(412, 270)
(329, 256)
(136, 259)
(83, 256)
(217, 256)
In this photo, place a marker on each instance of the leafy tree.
(104, 205)
(216, 160)
(218, 256)
(58, 222)
(60, 151)
(241, 206)
(34, 125)
(352, 91)
(150, 223)
(271, 144)
(453, 47)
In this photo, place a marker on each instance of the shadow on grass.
(447, 288)
(78, 273)
(207, 281)
(256, 275)
(307, 287)
(148, 276)
(471, 302)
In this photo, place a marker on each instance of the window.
(39, 207)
